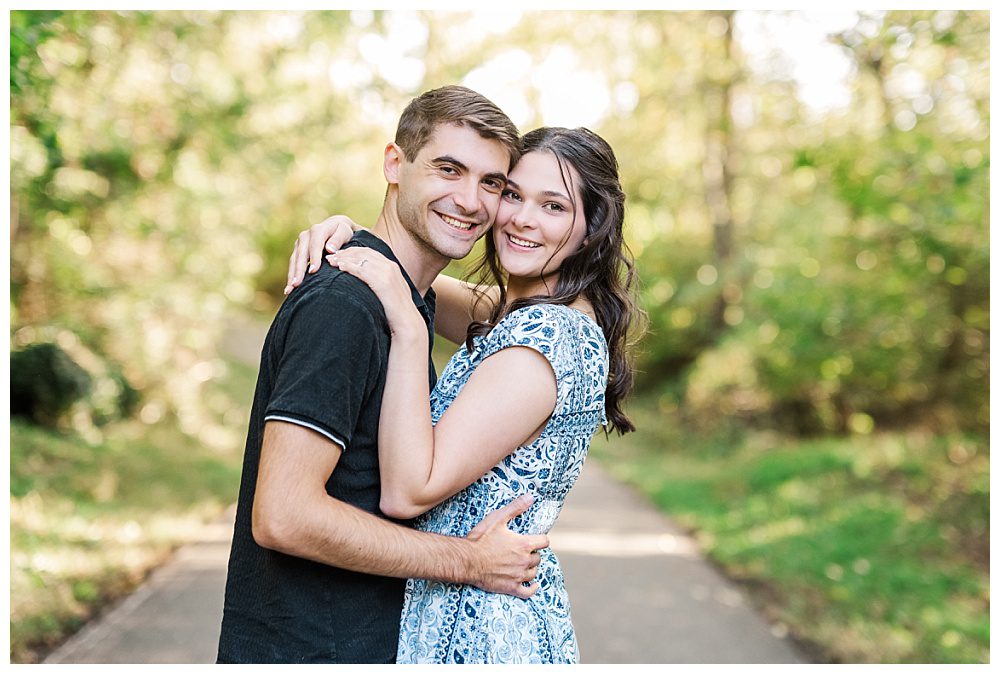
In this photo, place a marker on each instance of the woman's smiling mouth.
(521, 243)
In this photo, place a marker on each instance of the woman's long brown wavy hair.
(602, 270)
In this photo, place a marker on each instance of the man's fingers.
(507, 513)
(526, 591)
(516, 507)
(537, 542)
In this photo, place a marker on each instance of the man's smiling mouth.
(456, 223)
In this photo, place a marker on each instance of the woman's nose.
(523, 217)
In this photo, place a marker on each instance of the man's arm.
(293, 514)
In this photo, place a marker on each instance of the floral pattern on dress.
(451, 623)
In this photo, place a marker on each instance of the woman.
(546, 350)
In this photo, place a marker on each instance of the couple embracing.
(386, 515)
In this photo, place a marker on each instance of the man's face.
(449, 194)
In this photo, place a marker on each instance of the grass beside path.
(874, 548)
(91, 517)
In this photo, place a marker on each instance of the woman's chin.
(514, 269)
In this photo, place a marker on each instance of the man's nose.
(467, 195)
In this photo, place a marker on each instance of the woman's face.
(537, 226)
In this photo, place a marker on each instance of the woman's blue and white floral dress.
(450, 623)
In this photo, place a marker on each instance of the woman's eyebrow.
(546, 193)
(552, 193)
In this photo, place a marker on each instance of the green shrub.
(45, 382)
(113, 397)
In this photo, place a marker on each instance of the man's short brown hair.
(454, 105)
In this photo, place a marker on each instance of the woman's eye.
(512, 195)
(555, 207)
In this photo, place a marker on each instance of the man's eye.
(494, 185)
(450, 170)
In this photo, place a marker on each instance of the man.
(316, 571)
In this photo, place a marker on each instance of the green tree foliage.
(153, 153)
(861, 293)
(818, 271)
(883, 309)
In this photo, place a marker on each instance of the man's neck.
(421, 264)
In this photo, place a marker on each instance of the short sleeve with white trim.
(328, 355)
(323, 368)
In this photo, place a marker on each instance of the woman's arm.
(505, 403)
(456, 302)
(457, 307)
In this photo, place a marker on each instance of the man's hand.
(507, 560)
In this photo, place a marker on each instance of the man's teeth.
(522, 242)
(457, 223)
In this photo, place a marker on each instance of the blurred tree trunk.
(718, 169)
(13, 218)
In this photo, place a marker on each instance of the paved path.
(640, 591)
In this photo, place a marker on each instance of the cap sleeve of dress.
(544, 328)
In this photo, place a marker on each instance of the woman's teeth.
(521, 242)
(458, 224)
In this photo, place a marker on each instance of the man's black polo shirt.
(323, 366)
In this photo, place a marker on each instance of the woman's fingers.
(291, 268)
(345, 228)
(319, 235)
(296, 265)
(371, 267)
(360, 263)
(354, 261)
(307, 254)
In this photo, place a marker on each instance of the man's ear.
(391, 163)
